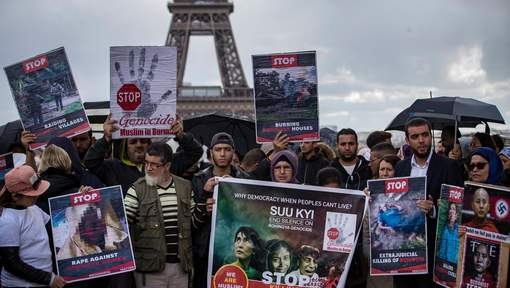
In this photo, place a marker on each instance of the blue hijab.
(495, 165)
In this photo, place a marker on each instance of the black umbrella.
(445, 111)
(204, 127)
(10, 134)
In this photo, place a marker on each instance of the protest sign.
(90, 234)
(483, 259)
(447, 239)
(6, 164)
(143, 94)
(486, 207)
(286, 98)
(267, 234)
(46, 97)
(398, 234)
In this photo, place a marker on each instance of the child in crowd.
(24, 244)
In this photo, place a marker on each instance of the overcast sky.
(374, 57)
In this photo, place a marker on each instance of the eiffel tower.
(209, 18)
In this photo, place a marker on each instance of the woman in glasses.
(284, 166)
(484, 166)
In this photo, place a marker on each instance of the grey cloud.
(398, 47)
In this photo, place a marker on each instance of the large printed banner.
(143, 90)
(46, 97)
(6, 164)
(398, 234)
(486, 207)
(483, 259)
(267, 234)
(449, 217)
(90, 234)
(286, 96)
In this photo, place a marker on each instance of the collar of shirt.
(415, 165)
(171, 185)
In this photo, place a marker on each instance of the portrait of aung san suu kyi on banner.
(266, 234)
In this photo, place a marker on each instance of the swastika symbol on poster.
(501, 209)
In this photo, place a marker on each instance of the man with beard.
(82, 143)
(439, 170)
(355, 170)
(158, 208)
(129, 167)
(221, 152)
(311, 161)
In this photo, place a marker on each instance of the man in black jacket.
(222, 152)
(355, 170)
(311, 161)
(129, 168)
(439, 170)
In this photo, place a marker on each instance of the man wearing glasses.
(158, 208)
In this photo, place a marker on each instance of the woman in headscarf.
(485, 166)
(284, 166)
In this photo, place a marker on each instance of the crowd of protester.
(150, 172)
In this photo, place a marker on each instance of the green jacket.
(148, 233)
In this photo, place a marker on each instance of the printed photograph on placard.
(90, 234)
(486, 207)
(449, 215)
(47, 98)
(267, 234)
(6, 164)
(483, 259)
(143, 90)
(286, 99)
(398, 235)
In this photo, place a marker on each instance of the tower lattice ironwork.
(209, 18)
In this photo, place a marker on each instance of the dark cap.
(222, 138)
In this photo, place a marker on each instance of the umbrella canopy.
(10, 133)
(444, 111)
(204, 127)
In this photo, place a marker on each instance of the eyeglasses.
(153, 164)
(285, 168)
(478, 165)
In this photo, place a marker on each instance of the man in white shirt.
(439, 170)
